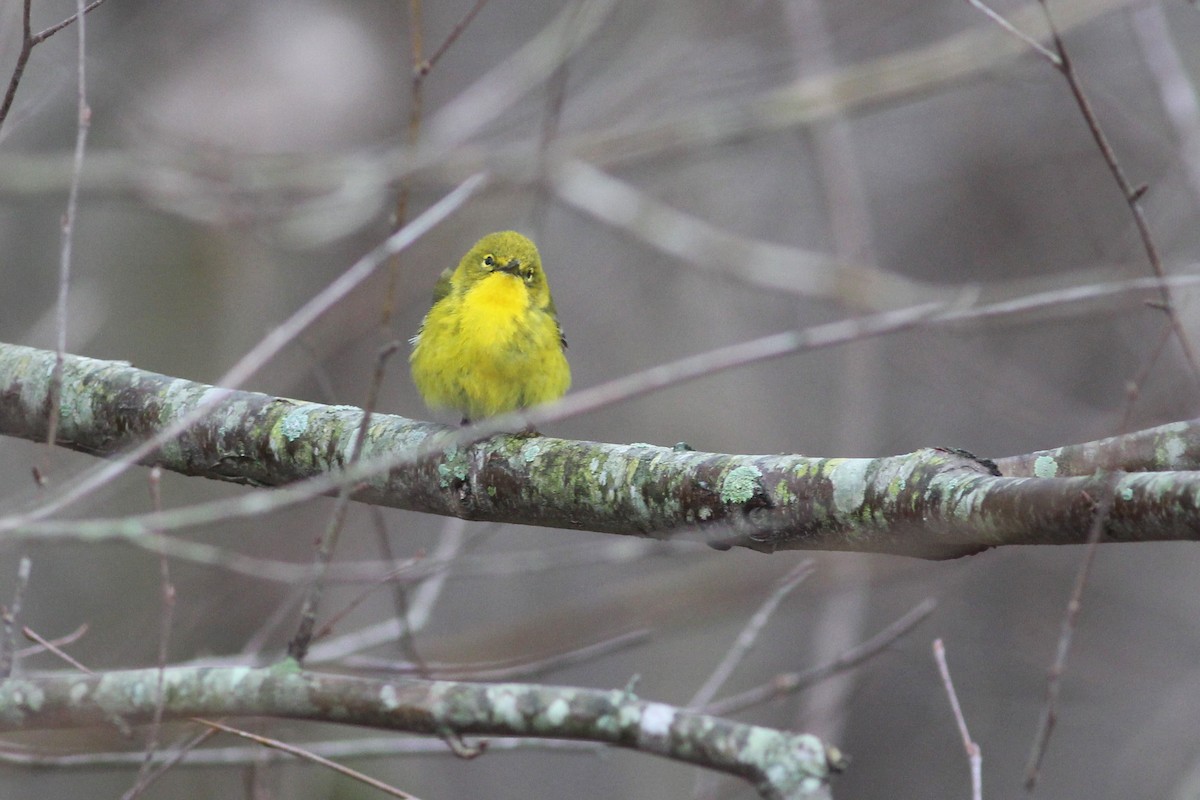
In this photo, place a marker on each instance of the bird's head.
(506, 253)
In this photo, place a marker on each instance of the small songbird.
(491, 343)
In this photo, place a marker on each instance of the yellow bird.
(491, 343)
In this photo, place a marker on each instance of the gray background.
(185, 256)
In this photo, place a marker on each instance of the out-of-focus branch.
(780, 764)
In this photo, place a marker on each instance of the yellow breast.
(487, 351)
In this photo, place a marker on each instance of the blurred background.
(696, 174)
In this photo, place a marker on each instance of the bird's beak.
(511, 268)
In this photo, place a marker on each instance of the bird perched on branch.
(491, 343)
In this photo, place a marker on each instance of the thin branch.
(1029, 41)
(423, 66)
(146, 772)
(83, 125)
(450, 544)
(792, 682)
(358, 747)
(29, 40)
(1069, 623)
(749, 634)
(165, 762)
(407, 641)
(60, 642)
(306, 755)
(53, 29)
(506, 670)
(974, 755)
(12, 617)
(1131, 193)
(52, 647)
(22, 59)
(300, 642)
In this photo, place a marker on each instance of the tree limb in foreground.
(931, 503)
(780, 764)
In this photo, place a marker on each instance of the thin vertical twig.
(12, 616)
(1069, 623)
(974, 755)
(298, 647)
(406, 642)
(146, 772)
(83, 124)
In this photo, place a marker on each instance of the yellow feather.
(492, 344)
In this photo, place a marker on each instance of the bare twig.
(450, 542)
(12, 616)
(22, 59)
(38, 38)
(706, 784)
(179, 753)
(298, 646)
(301, 753)
(62, 641)
(425, 65)
(357, 747)
(1062, 62)
(791, 682)
(749, 634)
(506, 670)
(1069, 623)
(1131, 193)
(974, 756)
(52, 647)
(406, 642)
(1031, 42)
(146, 772)
(83, 124)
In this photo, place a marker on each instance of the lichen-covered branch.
(933, 503)
(1171, 447)
(780, 764)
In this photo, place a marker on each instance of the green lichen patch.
(741, 484)
(1045, 467)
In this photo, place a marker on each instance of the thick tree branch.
(780, 764)
(933, 503)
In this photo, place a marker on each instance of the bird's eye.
(489, 261)
(528, 275)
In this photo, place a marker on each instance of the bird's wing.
(553, 312)
(442, 288)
